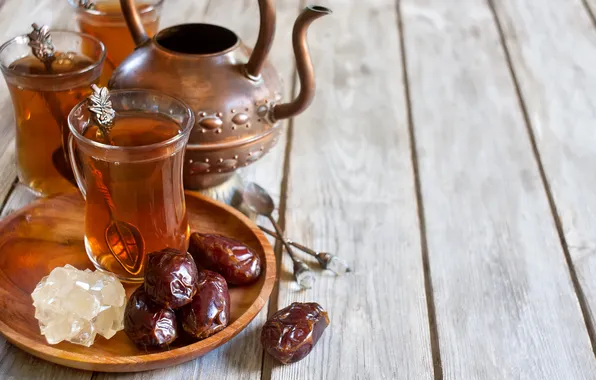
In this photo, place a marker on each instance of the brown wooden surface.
(48, 233)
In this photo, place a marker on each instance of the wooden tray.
(49, 233)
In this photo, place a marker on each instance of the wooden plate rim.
(151, 360)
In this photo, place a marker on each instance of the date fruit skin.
(209, 311)
(292, 332)
(148, 324)
(237, 263)
(170, 277)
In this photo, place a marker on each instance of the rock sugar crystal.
(76, 305)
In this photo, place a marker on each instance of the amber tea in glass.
(42, 98)
(106, 22)
(132, 181)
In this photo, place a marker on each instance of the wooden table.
(449, 155)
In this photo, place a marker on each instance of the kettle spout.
(303, 65)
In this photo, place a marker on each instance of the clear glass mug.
(106, 22)
(134, 195)
(42, 101)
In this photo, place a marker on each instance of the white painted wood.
(559, 94)
(351, 191)
(505, 304)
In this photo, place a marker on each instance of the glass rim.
(150, 8)
(25, 39)
(139, 148)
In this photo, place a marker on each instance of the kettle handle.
(133, 21)
(264, 40)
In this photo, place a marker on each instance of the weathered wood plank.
(351, 191)
(591, 9)
(505, 303)
(559, 96)
(19, 197)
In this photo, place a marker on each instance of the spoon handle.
(291, 242)
(302, 273)
(280, 235)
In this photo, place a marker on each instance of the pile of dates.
(188, 292)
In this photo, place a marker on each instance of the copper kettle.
(235, 93)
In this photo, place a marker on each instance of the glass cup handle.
(75, 168)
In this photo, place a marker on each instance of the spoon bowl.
(257, 199)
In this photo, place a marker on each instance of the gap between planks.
(588, 10)
(273, 305)
(547, 188)
(428, 286)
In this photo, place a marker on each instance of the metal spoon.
(123, 239)
(42, 48)
(327, 260)
(258, 200)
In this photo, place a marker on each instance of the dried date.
(148, 324)
(170, 277)
(237, 263)
(292, 332)
(209, 311)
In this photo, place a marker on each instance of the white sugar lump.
(73, 305)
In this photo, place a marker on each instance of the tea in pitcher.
(131, 178)
(42, 97)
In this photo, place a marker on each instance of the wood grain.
(19, 197)
(499, 275)
(559, 97)
(49, 233)
(591, 9)
(351, 192)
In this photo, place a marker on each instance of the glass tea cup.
(134, 196)
(42, 100)
(106, 22)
